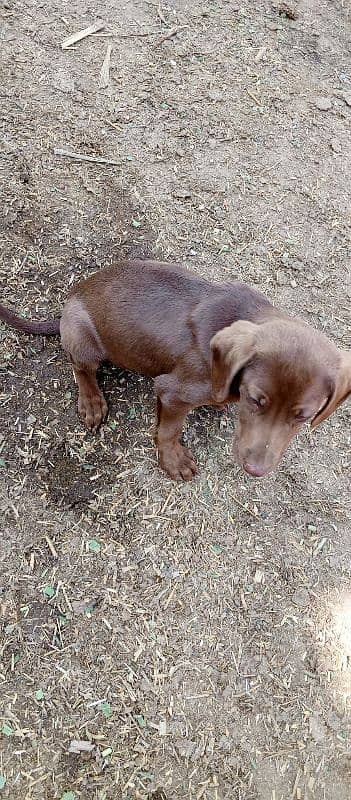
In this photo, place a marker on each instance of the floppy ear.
(341, 390)
(231, 349)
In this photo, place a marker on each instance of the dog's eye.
(259, 402)
(301, 416)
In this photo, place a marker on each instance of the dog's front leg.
(175, 459)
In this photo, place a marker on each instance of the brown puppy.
(205, 344)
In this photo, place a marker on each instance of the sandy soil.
(196, 638)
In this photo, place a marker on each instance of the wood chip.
(105, 69)
(260, 54)
(76, 37)
(80, 746)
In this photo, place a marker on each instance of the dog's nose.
(254, 470)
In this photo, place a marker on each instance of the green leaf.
(7, 730)
(140, 720)
(39, 694)
(106, 753)
(2, 781)
(106, 710)
(136, 223)
(68, 796)
(2, 462)
(132, 413)
(49, 591)
(217, 549)
(94, 546)
(68, 395)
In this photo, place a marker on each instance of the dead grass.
(162, 642)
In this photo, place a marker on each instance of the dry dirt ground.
(197, 638)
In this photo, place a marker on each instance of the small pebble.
(323, 103)
(288, 11)
(282, 278)
(336, 146)
(63, 81)
(301, 597)
(216, 97)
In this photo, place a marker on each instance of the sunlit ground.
(334, 637)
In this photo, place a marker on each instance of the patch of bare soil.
(197, 638)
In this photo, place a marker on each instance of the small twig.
(295, 784)
(242, 505)
(51, 546)
(253, 97)
(114, 125)
(68, 602)
(58, 151)
(169, 34)
(76, 37)
(139, 35)
(160, 14)
(105, 69)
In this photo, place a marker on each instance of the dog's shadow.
(131, 396)
(81, 463)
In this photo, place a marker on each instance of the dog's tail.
(47, 328)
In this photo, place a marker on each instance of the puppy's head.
(284, 374)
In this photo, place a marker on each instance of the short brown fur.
(204, 344)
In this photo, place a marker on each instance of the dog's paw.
(178, 462)
(92, 410)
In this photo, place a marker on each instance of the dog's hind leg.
(85, 352)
